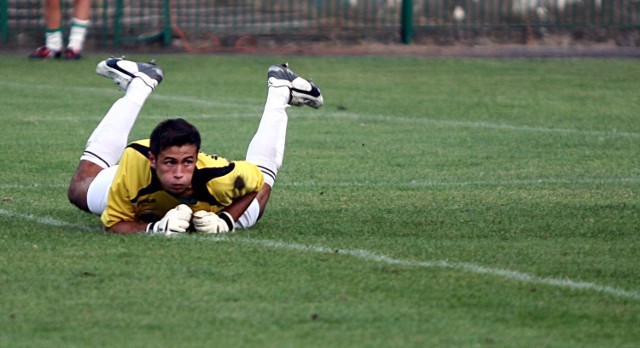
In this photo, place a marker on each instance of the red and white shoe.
(70, 54)
(44, 52)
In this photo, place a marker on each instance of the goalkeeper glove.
(175, 220)
(208, 222)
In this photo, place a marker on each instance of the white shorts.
(98, 191)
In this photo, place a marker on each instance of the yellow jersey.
(136, 194)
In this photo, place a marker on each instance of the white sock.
(266, 149)
(78, 33)
(109, 139)
(53, 39)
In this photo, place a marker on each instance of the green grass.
(429, 203)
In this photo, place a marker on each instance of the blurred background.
(240, 25)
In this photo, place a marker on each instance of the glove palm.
(208, 222)
(174, 221)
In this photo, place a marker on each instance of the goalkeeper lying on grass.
(165, 184)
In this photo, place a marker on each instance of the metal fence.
(195, 23)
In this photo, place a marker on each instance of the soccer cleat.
(70, 54)
(303, 92)
(43, 52)
(122, 71)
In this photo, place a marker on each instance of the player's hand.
(208, 222)
(175, 220)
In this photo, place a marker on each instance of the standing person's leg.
(90, 183)
(79, 26)
(53, 31)
(266, 149)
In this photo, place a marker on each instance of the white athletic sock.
(78, 33)
(53, 39)
(109, 139)
(266, 149)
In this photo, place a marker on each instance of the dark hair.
(173, 132)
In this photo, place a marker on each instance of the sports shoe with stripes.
(122, 71)
(303, 92)
(44, 52)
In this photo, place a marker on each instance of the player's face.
(175, 166)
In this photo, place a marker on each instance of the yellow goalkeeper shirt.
(136, 194)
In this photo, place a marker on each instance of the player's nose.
(178, 172)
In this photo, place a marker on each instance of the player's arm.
(224, 221)
(127, 227)
(238, 207)
(176, 220)
(241, 198)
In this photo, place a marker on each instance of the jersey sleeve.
(244, 179)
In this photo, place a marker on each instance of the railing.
(223, 22)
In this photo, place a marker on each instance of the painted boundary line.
(460, 266)
(368, 256)
(45, 220)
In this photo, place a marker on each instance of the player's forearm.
(127, 227)
(237, 208)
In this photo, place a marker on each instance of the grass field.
(430, 203)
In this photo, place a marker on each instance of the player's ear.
(152, 160)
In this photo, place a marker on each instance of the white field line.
(254, 110)
(459, 266)
(412, 183)
(45, 220)
(368, 256)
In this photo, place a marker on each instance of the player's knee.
(80, 182)
(77, 194)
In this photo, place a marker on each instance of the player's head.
(173, 132)
(174, 147)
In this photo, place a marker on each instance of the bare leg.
(80, 182)
(53, 14)
(82, 9)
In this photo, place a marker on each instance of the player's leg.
(266, 149)
(107, 142)
(79, 27)
(53, 33)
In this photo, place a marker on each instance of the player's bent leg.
(266, 149)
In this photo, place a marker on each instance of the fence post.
(4, 19)
(166, 32)
(117, 23)
(105, 26)
(406, 22)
